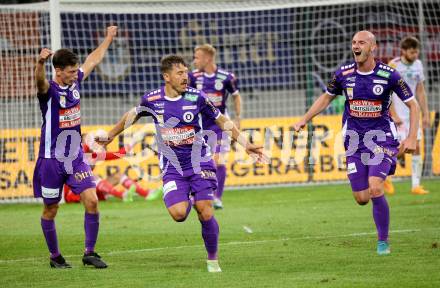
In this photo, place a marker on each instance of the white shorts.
(403, 130)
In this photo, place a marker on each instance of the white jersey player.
(411, 70)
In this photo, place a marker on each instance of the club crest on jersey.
(350, 93)
(75, 94)
(377, 90)
(199, 86)
(188, 117)
(63, 101)
(218, 85)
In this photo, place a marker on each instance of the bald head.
(363, 46)
(366, 35)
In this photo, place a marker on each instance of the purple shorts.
(50, 176)
(177, 188)
(359, 171)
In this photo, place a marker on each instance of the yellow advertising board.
(286, 149)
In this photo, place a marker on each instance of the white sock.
(416, 165)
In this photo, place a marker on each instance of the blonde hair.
(206, 48)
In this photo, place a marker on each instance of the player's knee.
(362, 202)
(376, 191)
(362, 198)
(50, 211)
(179, 216)
(91, 204)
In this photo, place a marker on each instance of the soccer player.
(185, 159)
(370, 137)
(411, 69)
(217, 84)
(60, 160)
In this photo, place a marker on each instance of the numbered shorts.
(359, 171)
(50, 175)
(177, 188)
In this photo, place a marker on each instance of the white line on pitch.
(232, 243)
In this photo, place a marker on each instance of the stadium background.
(283, 53)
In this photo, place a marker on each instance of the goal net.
(282, 52)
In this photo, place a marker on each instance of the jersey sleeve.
(80, 75)
(232, 84)
(44, 97)
(206, 107)
(191, 80)
(334, 87)
(400, 87)
(144, 108)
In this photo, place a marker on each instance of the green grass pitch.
(313, 236)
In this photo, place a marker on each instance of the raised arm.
(97, 55)
(320, 104)
(40, 71)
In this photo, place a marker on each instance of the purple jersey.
(60, 108)
(217, 87)
(368, 98)
(178, 126)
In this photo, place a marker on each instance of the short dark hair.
(63, 58)
(410, 43)
(167, 62)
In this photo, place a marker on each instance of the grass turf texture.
(313, 236)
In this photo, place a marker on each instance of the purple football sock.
(210, 232)
(91, 227)
(221, 178)
(381, 215)
(50, 233)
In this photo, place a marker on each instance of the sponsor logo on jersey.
(168, 187)
(365, 108)
(159, 111)
(383, 73)
(159, 119)
(70, 117)
(377, 89)
(152, 98)
(207, 174)
(79, 176)
(188, 117)
(72, 87)
(346, 72)
(379, 81)
(216, 98)
(178, 135)
(191, 97)
(221, 76)
(351, 168)
(351, 79)
(350, 84)
(404, 88)
(189, 107)
(159, 105)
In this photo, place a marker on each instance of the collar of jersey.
(209, 75)
(173, 98)
(365, 73)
